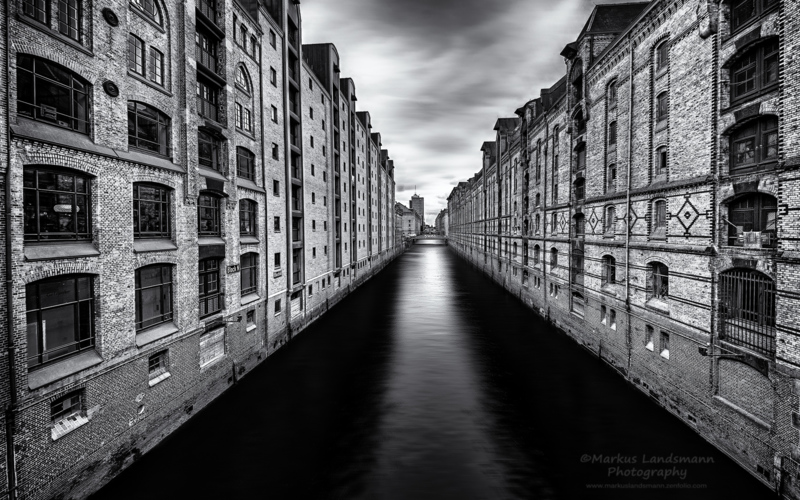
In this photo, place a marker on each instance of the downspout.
(629, 333)
(711, 30)
(11, 410)
(264, 180)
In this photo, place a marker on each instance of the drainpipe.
(628, 206)
(264, 179)
(711, 30)
(11, 410)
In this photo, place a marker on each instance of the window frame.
(156, 16)
(166, 303)
(248, 218)
(215, 209)
(759, 218)
(760, 8)
(760, 141)
(245, 164)
(77, 118)
(137, 55)
(248, 269)
(661, 56)
(662, 107)
(38, 235)
(760, 54)
(210, 275)
(609, 270)
(163, 124)
(65, 27)
(165, 212)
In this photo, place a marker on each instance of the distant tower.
(417, 204)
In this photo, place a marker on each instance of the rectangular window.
(277, 260)
(275, 151)
(248, 220)
(208, 208)
(660, 214)
(665, 345)
(603, 315)
(158, 367)
(69, 18)
(662, 106)
(245, 164)
(135, 54)
(156, 66)
(648, 338)
(248, 120)
(273, 77)
(276, 224)
(212, 347)
(612, 319)
(239, 119)
(274, 114)
(249, 273)
(212, 299)
(272, 39)
(67, 413)
(207, 100)
(36, 9)
(153, 296)
(151, 211)
(276, 188)
(277, 307)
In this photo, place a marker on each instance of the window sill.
(67, 425)
(60, 250)
(155, 333)
(62, 369)
(55, 34)
(249, 240)
(661, 125)
(658, 306)
(156, 245)
(149, 83)
(141, 157)
(164, 376)
(210, 240)
(210, 363)
(212, 174)
(40, 131)
(249, 299)
(251, 328)
(248, 184)
(665, 354)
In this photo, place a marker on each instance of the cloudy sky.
(436, 74)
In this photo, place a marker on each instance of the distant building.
(417, 203)
(410, 222)
(442, 223)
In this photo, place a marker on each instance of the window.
(747, 307)
(648, 337)
(276, 188)
(243, 37)
(554, 223)
(156, 66)
(276, 224)
(208, 208)
(277, 307)
(135, 54)
(311, 112)
(658, 284)
(312, 141)
(580, 156)
(158, 367)
(744, 11)
(206, 48)
(662, 106)
(611, 178)
(611, 95)
(660, 217)
(612, 319)
(37, 9)
(752, 221)
(754, 145)
(665, 345)
(578, 304)
(57, 205)
(249, 273)
(208, 148)
(275, 151)
(242, 82)
(253, 47)
(553, 258)
(244, 118)
(313, 225)
(151, 211)
(69, 18)
(662, 56)
(67, 413)
(273, 77)
(212, 347)
(580, 189)
(580, 225)
(536, 257)
(153, 296)
(609, 270)
(277, 260)
(312, 170)
(274, 114)
(149, 9)
(208, 100)
(661, 161)
(245, 164)
(248, 219)
(60, 318)
(612, 134)
(555, 184)
(212, 300)
(272, 39)
(148, 128)
(610, 221)
(314, 252)
(47, 92)
(603, 315)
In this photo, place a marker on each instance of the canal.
(431, 382)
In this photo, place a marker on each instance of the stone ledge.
(142, 246)
(60, 250)
(159, 332)
(62, 369)
(758, 421)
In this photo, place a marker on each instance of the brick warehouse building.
(147, 271)
(647, 203)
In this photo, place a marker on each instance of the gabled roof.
(506, 124)
(489, 147)
(608, 18)
(552, 95)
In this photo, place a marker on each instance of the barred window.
(151, 211)
(248, 218)
(60, 318)
(148, 128)
(212, 300)
(208, 207)
(249, 273)
(67, 413)
(245, 164)
(747, 306)
(158, 367)
(53, 94)
(57, 205)
(136, 54)
(153, 296)
(752, 221)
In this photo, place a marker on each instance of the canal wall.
(132, 414)
(742, 420)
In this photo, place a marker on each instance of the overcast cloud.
(436, 74)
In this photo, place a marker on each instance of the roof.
(488, 146)
(506, 124)
(608, 18)
(552, 95)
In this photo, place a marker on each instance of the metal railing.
(747, 309)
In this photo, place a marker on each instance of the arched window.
(537, 224)
(744, 11)
(248, 218)
(752, 221)
(747, 307)
(754, 71)
(609, 270)
(538, 173)
(660, 163)
(611, 220)
(611, 178)
(242, 80)
(536, 257)
(662, 106)
(659, 224)
(754, 145)
(153, 296)
(661, 54)
(538, 199)
(253, 47)
(51, 93)
(657, 281)
(553, 257)
(245, 164)
(249, 273)
(577, 79)
(150, 9)
(208, 218)
(554, 223)
(612, 134)
(148, 128)
(579, 123)
(151, 211)
(60, 318)
(580, 189)
(57, 204)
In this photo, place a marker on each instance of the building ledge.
(249, 240)
(156, 333)
(248, 184)
(60, 250)
(62, 369)
(210, 240)
(142, 246)
(212, 174)
(738, 409)
(250, 298)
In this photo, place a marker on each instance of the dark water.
(430, 382)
